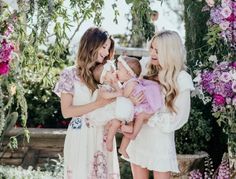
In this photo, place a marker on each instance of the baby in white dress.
(118, 112)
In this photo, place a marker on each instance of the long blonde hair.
(171, 57)
(91, 41)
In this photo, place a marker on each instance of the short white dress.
(154, 146)
(85, 154)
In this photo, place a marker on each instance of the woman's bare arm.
(70, 110)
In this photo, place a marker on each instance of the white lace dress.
(154, 146)
(85, 154)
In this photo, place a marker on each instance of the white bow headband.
(106, 68)
(124, 63)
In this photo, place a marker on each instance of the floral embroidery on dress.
(69, 173)
(104, 140)
(99, 168)
(66, 81)
(76, 123)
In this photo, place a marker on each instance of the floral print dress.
(85, 154)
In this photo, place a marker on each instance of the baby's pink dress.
(152, 92)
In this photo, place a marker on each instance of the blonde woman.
(154, 147)
(85, 154)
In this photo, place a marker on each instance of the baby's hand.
(137, 99)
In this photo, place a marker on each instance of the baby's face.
(122, 73)
(110, 77)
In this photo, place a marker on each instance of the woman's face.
(103, 51)
(154, 52)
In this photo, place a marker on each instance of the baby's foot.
(123, 153)
(126, 128)
(109, 144)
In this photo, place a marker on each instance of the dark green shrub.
(195, 135)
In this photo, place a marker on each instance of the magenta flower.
(4, 68)
(219, 100)
(6, 50)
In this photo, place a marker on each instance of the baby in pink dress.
(128, 72)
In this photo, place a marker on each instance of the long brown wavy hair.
(91, 41)
(171, 56)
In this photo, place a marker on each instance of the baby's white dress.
(154, 146)
(85, 154)
(121, 109)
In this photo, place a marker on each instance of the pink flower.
(210, 3)
(225, 77)
(224, 25)
(219, 100)
(226, 12)
(4, 68)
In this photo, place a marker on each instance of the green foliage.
(142, 29)
(12, 93)
(195, 135)
(196, 29)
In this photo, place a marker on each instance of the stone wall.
(44, 144)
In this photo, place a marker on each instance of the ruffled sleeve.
(185, 81)
(169, 122)
(66, 81)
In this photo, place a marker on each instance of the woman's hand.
(137, 99)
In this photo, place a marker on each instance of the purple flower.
(219, 99)
(224, 170)
(6, 50)
(195, 174)
(216, 16)
(223, 66)
(4, 68)
(9, 30)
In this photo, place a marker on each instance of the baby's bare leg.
(137, 126)
(115, 124)
(127, 127)
(123, 146)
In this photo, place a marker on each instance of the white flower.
(234, 86)
(233, 74)
(225, 77)
(197, 78)
(226, 12)
(224, 25)
(210, 3)
(234, 101)
(213, 58)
